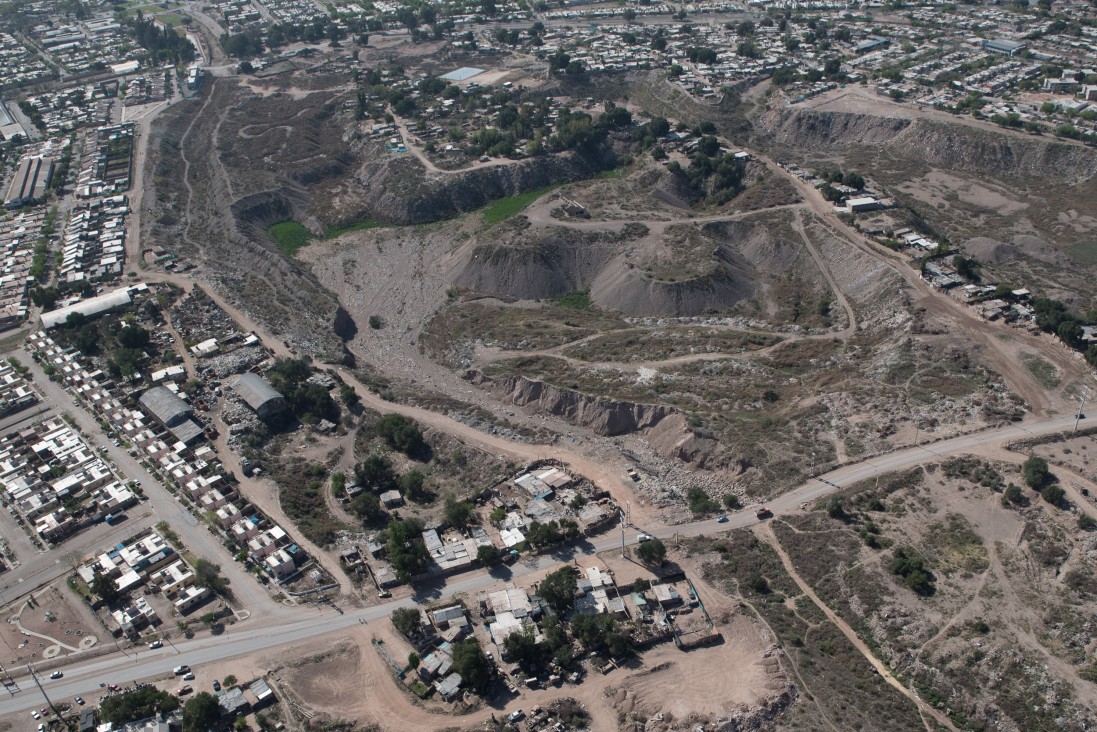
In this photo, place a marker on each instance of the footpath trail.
(765, 533)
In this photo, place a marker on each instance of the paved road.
(87, 677)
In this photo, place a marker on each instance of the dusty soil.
(72, 629)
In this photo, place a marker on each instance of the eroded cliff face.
(953, 146)
(605, 417)
(400, 190)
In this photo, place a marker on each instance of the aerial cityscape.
(529, 365)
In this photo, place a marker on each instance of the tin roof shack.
(450, 687)
(260, 396)
(437, 664)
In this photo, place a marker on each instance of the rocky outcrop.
(399, 190)
(953, 146)
(604, 416)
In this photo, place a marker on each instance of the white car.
(156, 644)
(35, 714)
(644, 537)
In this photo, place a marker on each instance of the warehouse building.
(263, 399)
(167, 408)
(30, 182)
(1005, 47)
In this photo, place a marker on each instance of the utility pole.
(34, 677)
(622, 513)
(1081, 408)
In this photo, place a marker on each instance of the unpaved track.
(765, 533)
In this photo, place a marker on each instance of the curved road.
(87, 677)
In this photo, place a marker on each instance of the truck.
(764, 513)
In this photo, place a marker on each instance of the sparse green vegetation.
(359, 226)
(504, 208)
(1041, 370)
(575, 300)
(290, 236)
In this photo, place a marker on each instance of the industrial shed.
(88, 308)
(168, 409)
(264, 400)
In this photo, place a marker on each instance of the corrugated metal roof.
(165, 406)
(254, 390)
(88, 308)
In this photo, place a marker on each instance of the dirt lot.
(56, 625)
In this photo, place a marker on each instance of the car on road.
(184, 690)
(216, 685)
(156, 644)
(188, 677)
(644, 537)
(764, 513)
(114, 687)
(515, 715)
(79, 700)
(722, 519)
(180, 670)
(57, 674)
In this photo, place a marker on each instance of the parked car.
(156, 644)
(79, 700)
(35, 714)
(515, 715)
(184, 690)
(56, 674)
(188, 677)
(216, 685)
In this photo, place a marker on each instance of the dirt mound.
(552, 263)
(604, 416)
(991, 250)
(683, 270)
(673, 438)
(954, 147)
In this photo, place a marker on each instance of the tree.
(558, 589)
(106, 588)
(522, 647)
(413, 660)
(367, 507)
(412, 484)
(401, 434)
(699, 501)
(487, 555)
(469, 661)
(457, 513)
(1035, 472)
(1054, 495)
(1012, 495)
(201, 713)
(407, 552)
(407, 620)
(131, 706)
(732, 502)
(208, 574)
(653, 552)
(911, 566)
(375, 472)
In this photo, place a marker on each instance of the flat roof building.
(1004, 46)
(263, 399)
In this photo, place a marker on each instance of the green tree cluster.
(130, 706)
(912, 567)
